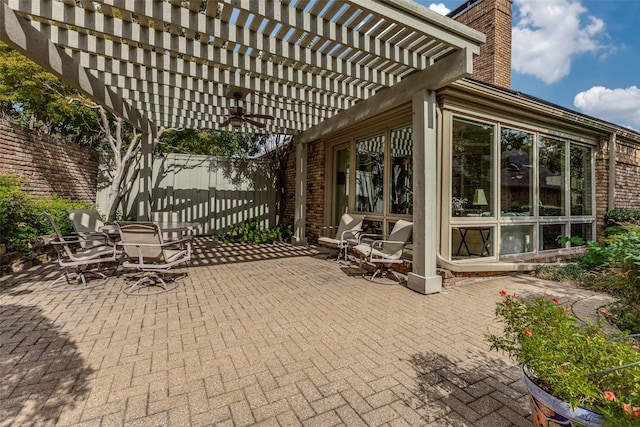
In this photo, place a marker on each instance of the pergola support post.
(424, 277)
(300, 218)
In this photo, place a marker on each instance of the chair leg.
(149, 280)
(382, 272)
(77, 281)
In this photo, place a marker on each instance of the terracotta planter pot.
(549, 411)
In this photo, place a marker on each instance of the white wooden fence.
(214, 191)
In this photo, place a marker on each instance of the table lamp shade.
(479, 198)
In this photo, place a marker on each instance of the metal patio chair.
(147, 252)
(346, 234)
(77, 252)
(384, 251)
(87, 223)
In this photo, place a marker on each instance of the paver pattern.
(271, 335)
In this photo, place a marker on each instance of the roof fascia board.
(18, 34)
(455, 66)
(539, 108)
(412, 13)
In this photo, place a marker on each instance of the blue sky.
(580, 54)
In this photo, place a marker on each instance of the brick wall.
(315, 190)
(290, 188)
(494, 19)
(627, 193)
(49, 166)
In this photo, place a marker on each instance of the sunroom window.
(541, 187)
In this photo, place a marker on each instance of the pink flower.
(528, 332)
(627, 408)
(517, 297)
(503, 293)
(605, 312)
(554, 300)
(609, 395)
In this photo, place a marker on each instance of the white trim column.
(424, 278)
(300, 217)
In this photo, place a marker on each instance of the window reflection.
(516, 172)
(472, 170)
(580, 179)
(516, 239)
(550, 236)
(401, 171)
(370, 174)
(551, 155)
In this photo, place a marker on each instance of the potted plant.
(458, 204)
(576, 373)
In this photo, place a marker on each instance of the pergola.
(314, 65)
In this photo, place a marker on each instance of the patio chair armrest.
(382, 242)
(93, 236)
(186, 240)
(67, 240)
(370, 235)
(180, 242)
(353, 233)
(149, 245)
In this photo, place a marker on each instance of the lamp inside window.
(479, 199)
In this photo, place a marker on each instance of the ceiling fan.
(237, 115)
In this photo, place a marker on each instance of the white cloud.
(549, 34)
(620, 106)
(440, 8)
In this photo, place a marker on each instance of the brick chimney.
(493, 18)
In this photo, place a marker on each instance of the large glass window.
(370, 174)
(551, 155)
(401, 183)
(551, 236)
(472, 168)
(516, 239)
(544, 193)
(583, 231)
(516, 173)
(580, 179)
(472, 241)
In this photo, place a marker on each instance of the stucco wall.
(49, 165)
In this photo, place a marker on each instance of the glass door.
(341, 183)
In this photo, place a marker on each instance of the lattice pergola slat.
(301, 61)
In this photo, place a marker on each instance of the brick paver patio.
(259, 335)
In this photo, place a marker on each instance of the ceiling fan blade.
(226, 122)
(259, 116)
(256, 124)
(234, 111)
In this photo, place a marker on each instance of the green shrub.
(621, 215)
(613, 267)
(251, 232)
(615, 218)
(21, 219)
(620, 251)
